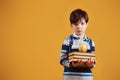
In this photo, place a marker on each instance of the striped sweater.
(71, 44)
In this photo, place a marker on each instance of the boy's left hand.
(91, 62)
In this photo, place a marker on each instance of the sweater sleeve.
(92, 47)
(64, 53)
(93, 50)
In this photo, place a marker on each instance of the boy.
(75, 71)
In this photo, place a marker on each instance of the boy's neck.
(81, 36)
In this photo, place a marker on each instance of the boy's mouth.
(79, 30)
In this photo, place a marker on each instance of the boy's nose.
(79, 26)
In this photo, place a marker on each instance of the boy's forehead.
(81, 20)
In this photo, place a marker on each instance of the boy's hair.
(77, 15)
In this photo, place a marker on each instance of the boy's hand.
(75, 64)
(79, 63)
(91, 62)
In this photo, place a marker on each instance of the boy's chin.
(78, 34)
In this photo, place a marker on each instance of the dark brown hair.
(77, 15)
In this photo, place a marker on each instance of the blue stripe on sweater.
(78, 74)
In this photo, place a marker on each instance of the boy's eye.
(82, 23)
(76, 24)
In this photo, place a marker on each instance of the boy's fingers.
(89, 60)
(92, 60)
(80, 60)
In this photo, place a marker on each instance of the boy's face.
(79, 27)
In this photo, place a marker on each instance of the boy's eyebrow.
(79, 21)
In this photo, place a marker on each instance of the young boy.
(79, 22)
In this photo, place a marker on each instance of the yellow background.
(32, 31)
